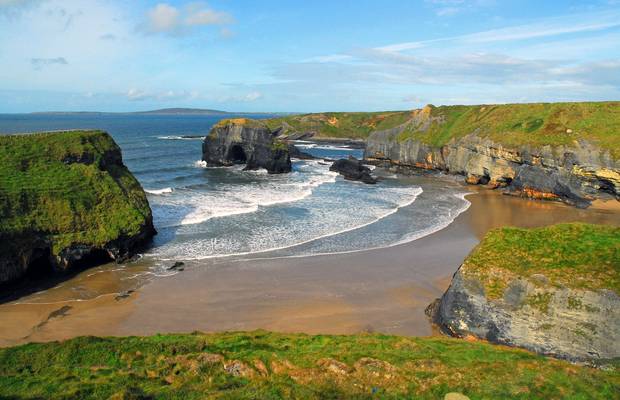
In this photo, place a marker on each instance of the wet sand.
(384, 290)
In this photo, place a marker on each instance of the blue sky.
(305, 56)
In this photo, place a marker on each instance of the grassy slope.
(341, 125)
(573, 255)
(511, 124)
(175, 366)
(72, 203)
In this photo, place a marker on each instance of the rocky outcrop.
(245, 141)
(555, 313)
(353, 170)
(72, 204)
(573, 324)
(575, 173)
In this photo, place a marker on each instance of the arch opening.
(236, 155)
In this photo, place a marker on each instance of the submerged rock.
(177, 266)
(245, 141)
(66, 202)
(353, 170)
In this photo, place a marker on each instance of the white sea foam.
(442, 223)
(200, 164)
(193, 206)
(159, 191)
(325, 147)
(175, 137)
(267, 239)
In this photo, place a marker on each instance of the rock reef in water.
(67, 201)
(353, 170)
(246, 141)
(551, 290)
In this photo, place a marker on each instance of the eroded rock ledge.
(67, 201)
(556, 293)
(245, 141)
(575, 173)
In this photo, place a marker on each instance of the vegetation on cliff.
(261, 365)
(535, 124)
(353, 125)
(71, 187)
(574, 255)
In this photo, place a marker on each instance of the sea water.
(203, 213)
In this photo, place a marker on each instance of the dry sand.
(384, 290)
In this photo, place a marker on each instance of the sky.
(304, 56)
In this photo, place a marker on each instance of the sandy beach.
(384, 290)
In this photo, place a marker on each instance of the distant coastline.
(162, 111)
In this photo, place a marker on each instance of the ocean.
(204, 213)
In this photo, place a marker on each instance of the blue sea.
(202, 212)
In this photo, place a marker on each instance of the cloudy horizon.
(107, 55)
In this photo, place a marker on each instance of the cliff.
(67, 200)
(553, 290)
(246, 141)
(561, 151)
(263, 365)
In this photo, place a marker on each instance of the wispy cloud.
(135, 94)
(445, 8)
(482, 62)
(548, 27)
(40, 63)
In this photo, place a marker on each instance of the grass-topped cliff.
(67, 189)
(553, 290)
(574, 255)
(261, 365)
(510, 124)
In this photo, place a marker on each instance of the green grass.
(254, 123)
(43, 191)
(354, 125)
(276, 366)
(535, 124)
(574, 255)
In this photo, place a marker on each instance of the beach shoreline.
(380, 290)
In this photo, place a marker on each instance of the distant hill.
(168, 111)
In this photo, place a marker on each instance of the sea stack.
(246, 141)
(67, 201)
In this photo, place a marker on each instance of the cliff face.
(566, 305)
(67, 200)
(248, 142)
(569, 168)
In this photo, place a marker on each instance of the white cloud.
(165, 18)
(137, 94)
(253, 96)
(199, 14)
